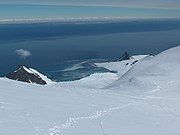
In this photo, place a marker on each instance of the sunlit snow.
(140, 99)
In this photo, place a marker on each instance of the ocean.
(67, 50)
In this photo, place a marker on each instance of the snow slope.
(143, 101)
(121, 67)
(161, 72)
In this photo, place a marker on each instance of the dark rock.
(24, 74)
(134, 62)
(125, 56)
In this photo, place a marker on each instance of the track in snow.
(71, 122)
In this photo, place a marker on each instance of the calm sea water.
(66, 51)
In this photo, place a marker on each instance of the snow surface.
(123, 66)
(144, 99)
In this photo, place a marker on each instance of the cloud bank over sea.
(71, 13)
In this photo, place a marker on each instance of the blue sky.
(26, 9)
(172, 4)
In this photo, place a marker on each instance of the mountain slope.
(29, 75)
(144, 101)
(121, 67)
(159, 72)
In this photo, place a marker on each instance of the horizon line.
(90, 5)
(84, 20)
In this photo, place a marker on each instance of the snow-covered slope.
(121, 67)
(94, 81)
(161, 72)
(144, 101)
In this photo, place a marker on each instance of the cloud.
(23, 53)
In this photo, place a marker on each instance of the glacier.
(143, 97)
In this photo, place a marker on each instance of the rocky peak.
(125, 56)
(25, 74)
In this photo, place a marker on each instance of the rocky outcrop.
(25, 74)
(125, 56)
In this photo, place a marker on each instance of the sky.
(172, 4)
(31, 9)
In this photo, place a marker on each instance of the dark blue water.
(66, 51)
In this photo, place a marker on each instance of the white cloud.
(23, 53)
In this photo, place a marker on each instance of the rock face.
(125, 56)
(24, 74)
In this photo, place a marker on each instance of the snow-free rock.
(125, 56)
(28, 75)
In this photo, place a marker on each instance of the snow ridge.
(45, 78)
